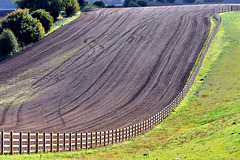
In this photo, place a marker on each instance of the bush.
(171, 1)
(8, 42)
(188, 1)
(133, 4)
(142, 3)
(126, 3)
(72, 7)
(162, 1)
(99, 4)
(56, 7)
(82, 3)
(111, 6)
(26, 28)
(44, 17)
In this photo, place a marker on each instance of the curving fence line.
(21, 142)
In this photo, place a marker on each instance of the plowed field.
(107, 69)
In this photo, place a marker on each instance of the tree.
(52, 6)
(133, 4)
(171, 1)
(126, 3)
(56, 7)
(111, 6)
(82, 3)
(99, 4)
(8, 42)
(142, 3)
(44, 17)
(26, 28)
(72, 7)
(188, 1)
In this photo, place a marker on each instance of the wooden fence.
(21, 142)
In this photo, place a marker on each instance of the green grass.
(62, 21)
(206, 125)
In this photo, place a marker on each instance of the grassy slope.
(207, 123)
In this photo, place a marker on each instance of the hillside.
(107, 69)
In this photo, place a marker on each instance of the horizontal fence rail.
(22, 142)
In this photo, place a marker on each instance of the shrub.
(44, 17)
(99, 4)
(82, 3)
(56, 7)
(52, 6)
(110, 6)
(72, 7)
(171, 1)
(133, 4)
(188, 1)
(26, 28)
(8, 42)
(126, 3)
(162, 1)
(142, 3)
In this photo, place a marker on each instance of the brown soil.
(108, 69)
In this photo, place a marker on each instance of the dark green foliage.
(8, 42)
(126, 3)
(56, 7)
(26, 28)
(110, 6)
(33, 4)
(188, 1)
(171, 1)
(82, 3)
(52, 6)
(72, 7)
(142, 3)
(44, 17)
(99, 4)
(133, 4)
(162, 1)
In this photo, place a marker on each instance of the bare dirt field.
(107, 69)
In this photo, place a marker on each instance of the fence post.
(2, 138)
(29, 142)
(104, 138)
(119, 135)
(44, 142)
(86, 140)
(91, 140)
(96, 139)
(37, 142)
(81, 141)
(64, 142)
(51, 145)
(58, 142)
(70, 141)
(112, 137)
(11, 142)
(76, 141)
(116, 131)
(20, 139)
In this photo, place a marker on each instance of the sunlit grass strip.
(63, 21)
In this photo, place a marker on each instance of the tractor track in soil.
(107, 69)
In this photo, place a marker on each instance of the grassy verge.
(63, 21)
(213, 24)
(205, 125)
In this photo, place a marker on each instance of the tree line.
(31, 21)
